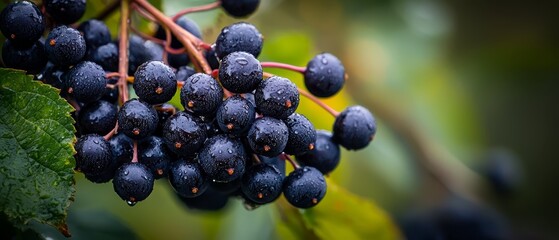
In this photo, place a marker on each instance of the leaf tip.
(63, 228)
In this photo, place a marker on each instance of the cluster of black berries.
(237, 129)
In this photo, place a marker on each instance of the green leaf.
(36, 152)
(341, 215)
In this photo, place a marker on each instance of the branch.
(123, 50)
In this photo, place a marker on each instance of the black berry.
(65, 12)
(65, 46)
(122, 148)
(153, 153)
(262, 183)
(325, 75)
(302, 135)
(187, 178)
(154, 82)
(235, 115)
(240, 72)
(210, 200)
(240, 8)
(222, 158)
(325, 155)
(354, 128)
(137, 119)
(93, 154)
(184, 133)
(32, 59)
(277, 97)
(184, 73)
(201, 94)
(95, 33)
(97, 117)
(106, 56)
(22, 22)
(237, 37)
(268, 136)
(133, 182)
(304, 187)
(86, 82)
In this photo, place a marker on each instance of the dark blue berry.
(302, 135)
(262, 183)
(133, 182)
(97, 117)
(325, 155)
(32, 59)
(184, 73)
(240, 8)
(139, 53)
(187, 178)
(93, 154)
(222, 158)
(237, 37)
(65, 11)
(65, 46)
(201, 94)
(23, 23)
(164, 112)
(210, 200)
(276, 161)
(304, 187)
(277, 97)
(235, 115)
(153, 153)
(325, 75)
(106, 56)
(240, 72)
(184, 134)
(137, 119)
(53, 75)
(211, 57)
(122, 148)
(268, 136)
(86, 82)
(354, 128)
(95, 33)
(154, 82)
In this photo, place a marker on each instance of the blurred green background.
(449, 82)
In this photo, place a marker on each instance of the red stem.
(202, 8)
(123, 51)
(288, 158)
(283, 66)
(135, 152)
(111, 133)
(318, 102)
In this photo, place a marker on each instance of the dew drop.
(131, 203)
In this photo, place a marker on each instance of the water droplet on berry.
(131, 203)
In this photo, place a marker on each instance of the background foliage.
(468, 77)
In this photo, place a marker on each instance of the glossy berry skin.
(304, 187)
(268, 136)
(222, 158)
(155, 82)
(277, 97)
(184, 73)
(235, 115)
(122, 148)
(302, 134)
(262, 183)
(65, 46)
(187, 178)
(53, 75)
(93, 154)
(65, 11)
(240, 8)
(133, 182)
(237, 37)
(86, 82)
(164, 112)
(185, 23)
(106, 56)
(97, 117)
(184, 134)
(325, 75)
(211, 57)
(325, 155)
(137, 119)
(201, 94)
(153, 153)
(276, 161)
(32, 59)
(354, 128)
(240, 72)
(139, 53)
(23, 23)
(95, 33)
